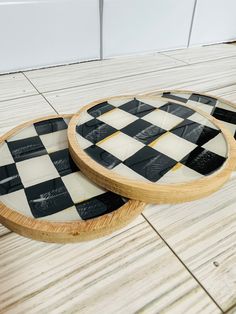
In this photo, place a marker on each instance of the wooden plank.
(203, 54)
(3, 231)
(198, 77)
(14, 86)
(227, 92)
(132, 270)
(14, 112)
(91, 72)
(203, 234)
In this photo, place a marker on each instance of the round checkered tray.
(152, 149)
(43, 194)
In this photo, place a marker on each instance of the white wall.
(36, 33)
(214, 21)
(134, 26)
(39, 33)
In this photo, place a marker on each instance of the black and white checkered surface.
(151, 140)
(39, 179)
(218, 109)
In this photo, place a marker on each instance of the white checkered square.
(125, 171)
(157, 102)
(196, 117)
(83, 142)
(85, 117)
(119, 102)
(120, 145)
(217, 145)
(17, 200)
(178, 173)
(6, 157)
(55, 141)
(231, 127)
(117, 118)
(173, 146)
(24, 133)
(68, 214)
(80, 188)
(204, 107)
(163, 119)
(36, 170)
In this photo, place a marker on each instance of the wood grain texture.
(203, 54)
(203, 234)
(199, 77)
(130, 271)
(14, 112)
(227, 92)
(14, 86)
(151, 192)
(91, 72)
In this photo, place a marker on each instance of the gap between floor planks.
(131, 270)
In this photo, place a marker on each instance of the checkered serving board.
(39, 179)
(221, 110)
(153, 140)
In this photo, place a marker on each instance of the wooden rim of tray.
(63, 232)
(149, 192)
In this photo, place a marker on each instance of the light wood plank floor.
(172, 259)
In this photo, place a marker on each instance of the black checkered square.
(207, 100)
(150, 163)
(194, 132)
(177, 110)
(169, 95)
(137, 108)
(100, 109)
(26, 148)
(99, 205)
(63, 162)
(50, 126)
(95, 130)
(225, 115)
(203, 161)
(9, 179)
(48, 198)
(103, 157)
(143, 131)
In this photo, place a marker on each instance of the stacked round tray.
(71, 178)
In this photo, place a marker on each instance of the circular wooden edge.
(148, 192)
(65, 232)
